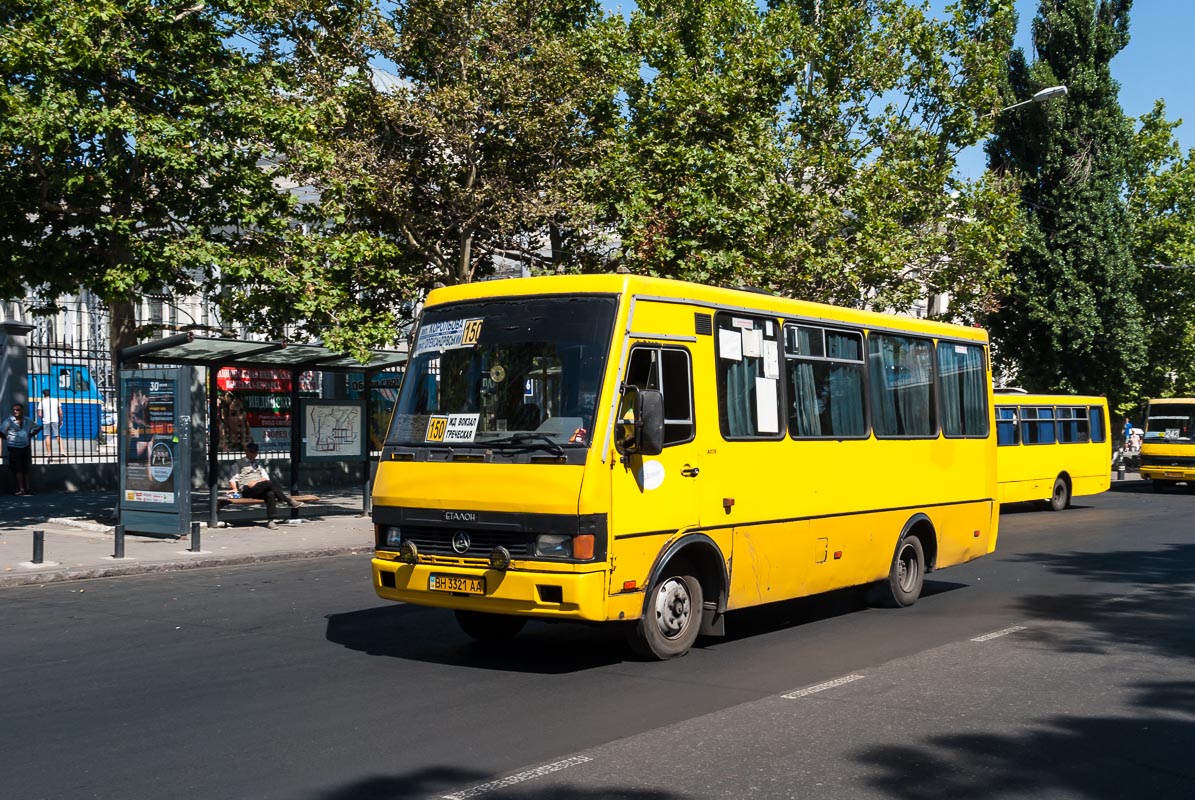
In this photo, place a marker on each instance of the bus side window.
(1006, 427)
(668, 370)
(1095, 415)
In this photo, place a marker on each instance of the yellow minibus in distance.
(615, 448)
(1052, 447)
(1168, 450)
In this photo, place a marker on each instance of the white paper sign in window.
(752, 343)
(765, 405)
(730, 345)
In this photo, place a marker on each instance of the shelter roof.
(187, 349)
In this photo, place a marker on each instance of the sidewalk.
(79, 539)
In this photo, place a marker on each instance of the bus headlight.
(554, 545)
(393, 535)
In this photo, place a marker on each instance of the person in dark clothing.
(17, 434)
(252, 480)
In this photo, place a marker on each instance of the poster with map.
(333, 430)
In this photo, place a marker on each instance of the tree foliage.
(1071, 320)
(810, 148)
(1161, 202)
(134, 145)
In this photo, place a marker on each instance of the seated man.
(252, 480)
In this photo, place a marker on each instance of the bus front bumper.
(1168, 473)
(549, 595)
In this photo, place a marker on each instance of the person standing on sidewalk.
(16, 433)
(49, 414)
(253, 481)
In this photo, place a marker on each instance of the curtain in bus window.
(846, 385)
(963, 384)
(901, 379)
(1072, 425)
(1096, 416)
(739, 384)
(806, 419)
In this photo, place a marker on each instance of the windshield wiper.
(530, 439)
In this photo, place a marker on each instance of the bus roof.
(699, 294)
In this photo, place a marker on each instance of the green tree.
(135, 145)
(809, 148)
(1071, 320)
(1161, 201)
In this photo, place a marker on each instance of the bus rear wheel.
(672, 619)
(489, 628)
(906, 575)
(1060, 498)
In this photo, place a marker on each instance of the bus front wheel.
(489, 628)
(1060, 498)
(906, 576)
(672, 619)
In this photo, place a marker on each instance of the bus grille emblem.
(460, 542)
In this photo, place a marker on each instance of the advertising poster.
(383, 394)
(149, 439)
(254, 406)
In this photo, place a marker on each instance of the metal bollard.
(1120, 472)
(195, 544)
(39, 546)
(118, 552)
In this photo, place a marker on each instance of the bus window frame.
(781, 388)
(936, 424)
(987, 404)
(866, 388)
(659, 349)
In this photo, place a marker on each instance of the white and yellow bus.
(1052, 447)
(1168, 450)
(617, 448)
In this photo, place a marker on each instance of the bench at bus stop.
(244, 508)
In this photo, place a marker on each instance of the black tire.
(489, 628)
(1060, 498)
(671, 620)
(906, 576)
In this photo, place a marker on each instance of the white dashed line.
(997, 634)
(821, 687)
(511, 780)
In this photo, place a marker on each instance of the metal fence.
(81, 386)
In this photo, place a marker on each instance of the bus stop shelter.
(187, 349)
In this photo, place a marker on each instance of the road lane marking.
(997, 634)
(511, 780)
(821, 687)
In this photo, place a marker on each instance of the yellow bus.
(1168, 450)
(614, 448)
(1052, 447)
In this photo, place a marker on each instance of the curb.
(86, 525)
(118, 570)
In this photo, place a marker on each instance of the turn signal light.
(583, 546)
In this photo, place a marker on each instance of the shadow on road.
(1145, 754)
(1153, 611)
(432, 635)
(441, 781)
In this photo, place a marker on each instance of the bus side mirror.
(649, 422)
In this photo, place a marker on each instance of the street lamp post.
(1049, 93)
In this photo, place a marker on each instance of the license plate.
(465, 584)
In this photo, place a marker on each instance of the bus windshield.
(1170, 421)
(520, 372)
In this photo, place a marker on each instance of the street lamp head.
(1049, 93)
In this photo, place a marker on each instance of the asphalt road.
(293, 680)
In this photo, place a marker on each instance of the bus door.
(653, 497)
